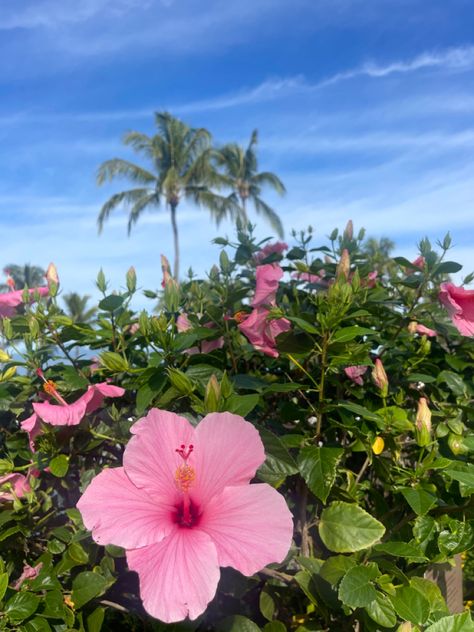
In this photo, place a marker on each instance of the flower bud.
(166, 269)
(423, 423)
(349, 231)
(344, 265)
(52, 274)
(380, 377)
(212, 395)
(412, 327)
(131, 279)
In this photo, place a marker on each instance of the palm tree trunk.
(245, 220)
(176, 241)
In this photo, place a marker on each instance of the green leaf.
(448, 267)
(305, 581)
(363, 412)
(411, 605)
(318, 468)
(405, 263)
(291, 342)
(419, 500)
(38, 624)
(454, 381)
(59, 465)
(454, 623)
(95, 620)
(21, 606)
(111, 303)
(241, 404)
(335, 567)
(278, 463)
(86, 586)
(237, 623)
(3, 584)
(356, 589)
(345, 528)
(285, 387)
(464, 473)
(267, 604)
(381, 611)
(349, 333)
(401, 549)
(303, 324)
(274, 626)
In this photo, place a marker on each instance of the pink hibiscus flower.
(306, 276)
(64, 414)
(13, 486)
(206, 346)
(417, 328)
(355, 373)
(9, 301)
(278, 247)
(29, 572)
(182, 506)
(460, 305)
(419, 262)
(257, 327)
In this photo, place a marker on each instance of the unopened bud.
(212, 395)
(405, 627)
(52, 275)
(378, 445)
(131, 279)
(423, 423)
(344, 265)
(166, 269)
(412, 327)
(349, 231)
(380, 377)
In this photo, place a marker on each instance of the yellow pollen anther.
(184, 477)
(50, 387)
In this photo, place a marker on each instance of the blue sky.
(365, 108)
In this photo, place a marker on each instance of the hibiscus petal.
(64, 415)
(119, 513)
(267, 279)
(227, 451)
(251, 526)
(178, 576)
(150, 458)
(32, 425)
(99, 392)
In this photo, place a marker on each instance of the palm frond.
(119, 168)
(124, 197)
(139, 207)
(270, 215)
(271, 180)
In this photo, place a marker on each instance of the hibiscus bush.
(282, 445)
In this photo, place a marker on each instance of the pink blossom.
(206, 346)
(9, 301)
(371, 279)
(278, 247)
(14, 485)
(419, 262)
(417, 328)
(355, 373)
(460, 305)
(64, 414)
(29, 572)
(182, 506)
(306, 276)
(267, 279)
(260, 330)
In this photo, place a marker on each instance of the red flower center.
(187, 514)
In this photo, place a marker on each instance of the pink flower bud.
(52, 274)
(423, 423)
(380, 377)
(349, 231)
(344, 265)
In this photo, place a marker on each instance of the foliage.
(376, 497)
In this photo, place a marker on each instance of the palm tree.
(76, 307)
(179, 168)
(25, 275)
(240, 173)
